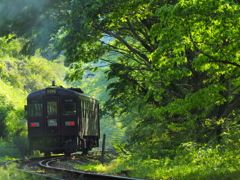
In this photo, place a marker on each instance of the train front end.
(53, 121)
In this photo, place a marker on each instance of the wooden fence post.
(103, 147)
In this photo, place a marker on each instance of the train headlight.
(70, 123)
(34, 124)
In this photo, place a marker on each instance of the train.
(62, 120)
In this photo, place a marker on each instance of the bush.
(11, 173)
(190, 163)
(21, 145)
(7, 151)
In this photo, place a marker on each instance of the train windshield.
(69, 107)
(51, 108)
(35, 108)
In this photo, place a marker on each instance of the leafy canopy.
(173, 64)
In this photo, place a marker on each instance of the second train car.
(62, 121)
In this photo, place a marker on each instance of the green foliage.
(172, 65)
(18, 76)
(25, 73)
(11, 172)
(30, 20)
(7, 151)
(20, 143)
(10, 46)
(4, 108)
(191, 162)
(173, 71)
(94, 84)
(11, 106)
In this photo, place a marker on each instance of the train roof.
(57, 91)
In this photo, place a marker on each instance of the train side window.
(35, 108)
(69, 107)
(51, 108)
(84, 108)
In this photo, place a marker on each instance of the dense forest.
(167, 74)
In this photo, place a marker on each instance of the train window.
(85, 109)
(51, 108)
(35, 108)
(69, 107)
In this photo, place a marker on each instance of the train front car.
(62, 121)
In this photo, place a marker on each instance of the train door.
(52, 116)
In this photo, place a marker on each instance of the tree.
(37, 21)
(173, 62)
(202, 47)
(20, 75)
(171, 55)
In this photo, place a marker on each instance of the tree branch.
(121, 51)
(211, 57)
(138, 37)
(231, 107)
(143, 56)
(226, 62)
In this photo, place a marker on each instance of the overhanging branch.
(230, 108)
(143, 56)
(211, 57)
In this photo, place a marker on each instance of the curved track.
(29, 174)
(72, 174)
(63, 174)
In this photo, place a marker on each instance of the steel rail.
(82, 174)
(29, 173)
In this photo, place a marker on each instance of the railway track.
(28, 174)
(50, 171)
(73, 174)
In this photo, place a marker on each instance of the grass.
(11, 173)
(9, 152)
(190, 164)
(97, 166)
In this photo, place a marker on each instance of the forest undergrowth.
(192, 161)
